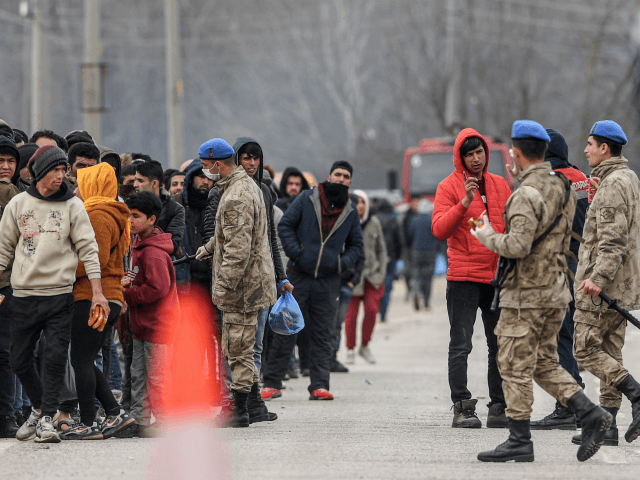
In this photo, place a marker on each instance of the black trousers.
(7, 379)
(463, 301)
(319, 298)
(30, 316)
(86, 342)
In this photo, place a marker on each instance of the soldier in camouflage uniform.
(243, 275)
(608, 262)
(538, 220)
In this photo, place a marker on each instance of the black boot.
(241, 413)
(335, 366)
(8, 427)
(611, 437)
(595, 423)
(497, 418)
(631, 390)
(562, 418)
(225, 417)
(518, 446)
(258, 411)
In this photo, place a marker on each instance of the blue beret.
(609, 129)
(529, 129)
(215, 149)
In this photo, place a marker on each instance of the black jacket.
(171, 219)
(284, 198)
(390, 228)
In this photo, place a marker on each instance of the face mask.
(211, 176)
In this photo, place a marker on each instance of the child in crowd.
(150, 292)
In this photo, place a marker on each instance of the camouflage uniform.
(535, 295)
(609, 258)
(243, 274)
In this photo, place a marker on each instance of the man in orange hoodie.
(467, 192)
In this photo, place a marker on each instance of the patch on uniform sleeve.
(231, 218)
(607, 215)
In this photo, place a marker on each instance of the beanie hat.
(77, 136)
(6, 130)
(557, 146)
(7, 146)
(46, 159)
(215, 149)
(342, 164)
(26, 152)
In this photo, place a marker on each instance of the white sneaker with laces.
(45, 431)
(351, 357)
(365, 353)
(28, 429)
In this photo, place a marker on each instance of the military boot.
(241, 413)
(258, 411)
(496, 417)
(562, 418)
(631, 390)
(464, 414)
(595, 423)
(225, 417)
(611, 437)
(518, 446)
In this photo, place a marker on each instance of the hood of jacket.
(63, 194)
(240, 142)
(112, 158)
(457, 158)
(361, 194)
(191, 170)
(158, 239)
(289, 172)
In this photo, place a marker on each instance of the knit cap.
(26, 152)
(46, 159)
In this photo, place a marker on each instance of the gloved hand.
(202, 253)
(481, 233)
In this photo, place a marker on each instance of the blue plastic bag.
(285, 317)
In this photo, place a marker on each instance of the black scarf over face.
(197, 199)
(336, 193)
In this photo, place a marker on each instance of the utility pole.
(452, 69)
(37, 83)
(92, 79)
(174, 84)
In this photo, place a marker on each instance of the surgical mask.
(211, 176)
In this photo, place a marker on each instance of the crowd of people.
(87, 251)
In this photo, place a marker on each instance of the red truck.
(427, 165)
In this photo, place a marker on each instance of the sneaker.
(294, 371)
(351, 357)
(365, 353)
(28, 429)
(268, 393)
(45, 431)
(81, 431)
(115, 423)
(20, 418)
(305, 372)
(464, 414)
(497, 418)
(321, 394)
(337, 367)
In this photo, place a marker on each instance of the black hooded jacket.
(391, 228)
(286, 199)
(214, 200)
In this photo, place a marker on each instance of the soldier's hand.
(202, 253)
(470, 188)
(288, 287)
(590, 288)
(481, 233)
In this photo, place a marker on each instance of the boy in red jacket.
(466, 193)
(150, 293)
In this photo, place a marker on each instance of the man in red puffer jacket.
(464, 194)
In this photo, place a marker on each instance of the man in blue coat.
(321, 236)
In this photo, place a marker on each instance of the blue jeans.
(388, 286)
(341, 313)
(21, 399)
(115, 374)
(257, 347)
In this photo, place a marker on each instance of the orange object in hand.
(478, 223)
(97, 319)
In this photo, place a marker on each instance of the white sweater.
(45, 239)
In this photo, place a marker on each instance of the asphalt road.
(389, 420)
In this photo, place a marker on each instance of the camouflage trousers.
(599, 338)
(238, 339)
(528, 350)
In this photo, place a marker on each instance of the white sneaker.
(28, 429)
(365, 353)
(351, 357)
(45, 431)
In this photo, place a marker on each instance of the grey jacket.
(375, 256)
